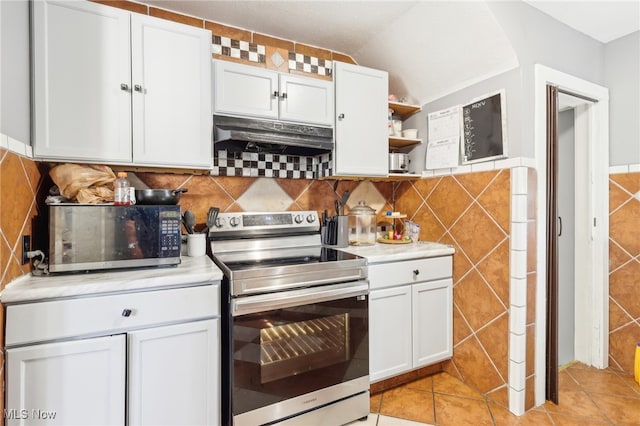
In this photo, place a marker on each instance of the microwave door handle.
(270, 302)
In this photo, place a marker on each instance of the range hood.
(254, 135)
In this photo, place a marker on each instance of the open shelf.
(404, 110)
(397, 142)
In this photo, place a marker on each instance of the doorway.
(590, 222)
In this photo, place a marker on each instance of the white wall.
(14, 70)
(510, 81)
(536, 38)
(622, 77)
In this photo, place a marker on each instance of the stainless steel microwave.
(90, 237)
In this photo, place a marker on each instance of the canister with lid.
(362, 225)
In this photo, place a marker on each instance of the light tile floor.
(588, 396)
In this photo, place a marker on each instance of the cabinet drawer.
(90, 316)
(409, 271)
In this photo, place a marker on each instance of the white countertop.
(380, 252)
(191, 270)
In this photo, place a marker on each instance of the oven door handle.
(307, 296)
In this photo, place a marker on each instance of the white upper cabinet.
(81, 57)
(171, 69)
(361, 125)
(245, 90)
(307, 100)
(117, 87)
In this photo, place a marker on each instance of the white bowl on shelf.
(410, 133)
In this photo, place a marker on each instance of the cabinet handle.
(560, 225)
(125, 87)
(275, 93)
(341, 116)
(126, 313)
(283, 96)
(137, 88)
(416, 272)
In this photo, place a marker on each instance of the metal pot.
(398, 162)
(158, 196)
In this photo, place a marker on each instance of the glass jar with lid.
(362, 225)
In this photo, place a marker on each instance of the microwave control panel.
(170, 238)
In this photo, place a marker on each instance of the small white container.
(410, 133)
(397, 127)
(196, 244)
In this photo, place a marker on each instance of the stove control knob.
(220, 222)
(298, 218)
(234, 221)
(311, 218)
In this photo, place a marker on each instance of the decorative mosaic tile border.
(238, 49)
(310, 64)
(324, 165)
(253, 164)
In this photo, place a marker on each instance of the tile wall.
(20, 185)
(21, 182)
(472, 213)
(624, 269)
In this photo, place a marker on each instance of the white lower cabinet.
(160, 363)
(389, 336)
(410, 315)
(432, 321)
(172, 374)
(79, 382)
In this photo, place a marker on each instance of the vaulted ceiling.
(424, 45)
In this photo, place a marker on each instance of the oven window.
(288, 352)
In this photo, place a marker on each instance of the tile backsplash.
(21, 183)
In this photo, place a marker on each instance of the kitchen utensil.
(362, 225)
(212, 215)
(189, 221)
(159, 196)
(343, 201)
(398, 162)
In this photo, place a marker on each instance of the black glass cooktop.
(283, 257)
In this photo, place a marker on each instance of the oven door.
(298, 350)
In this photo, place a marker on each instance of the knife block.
(336, 232)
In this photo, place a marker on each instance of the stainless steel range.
(295, 322)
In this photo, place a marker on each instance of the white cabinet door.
(389, 332)
(361, 130)
(245, 90)
(174, 374)
(80, 382)
(81, 57)
(171, 69)
(432, 312)
(306, 100)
